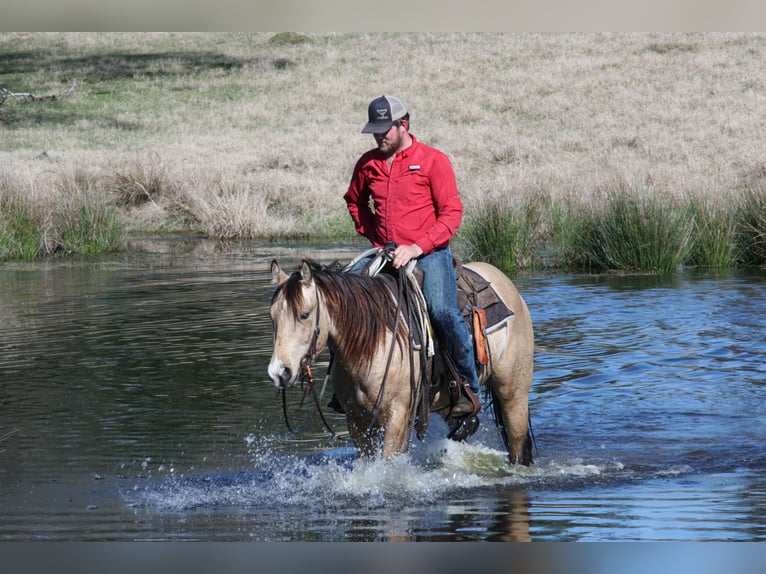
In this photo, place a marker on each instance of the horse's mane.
(362, 307)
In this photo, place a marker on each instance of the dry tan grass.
(256, 138)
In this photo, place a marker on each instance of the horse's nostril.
(285, 376)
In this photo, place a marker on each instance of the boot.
(462, 408)
(464, 401)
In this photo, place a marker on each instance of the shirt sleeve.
(447, 203)
(358, 202)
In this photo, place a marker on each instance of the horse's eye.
(304, 315)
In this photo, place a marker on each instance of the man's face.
(391, 141)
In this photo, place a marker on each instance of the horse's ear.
(277, 275)
(306, 275)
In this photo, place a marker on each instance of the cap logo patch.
(382, 113)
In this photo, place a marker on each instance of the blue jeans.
(440, 292)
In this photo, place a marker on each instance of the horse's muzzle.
(280, 375)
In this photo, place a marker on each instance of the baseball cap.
(382, 113)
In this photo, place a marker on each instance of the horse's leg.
(394, 431)
(513, 407)
(362, 438)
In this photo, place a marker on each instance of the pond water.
(135, 405)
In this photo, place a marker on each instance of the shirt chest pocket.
(414, 177)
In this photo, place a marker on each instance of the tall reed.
(640, 230)
(503, 234)
(751, 236)
(20, 229)
(715, 232)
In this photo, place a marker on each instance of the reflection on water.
(134, 404)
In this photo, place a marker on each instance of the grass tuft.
(20, 229)
(639, 230)
(502, 233)
(139, 183)
(751, 237)
(69, 217)
(289, 39)
(715, 230)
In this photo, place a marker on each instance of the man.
(416, 205)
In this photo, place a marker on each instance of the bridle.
(308, 358)
(306, 376)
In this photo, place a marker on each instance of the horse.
(373, 369)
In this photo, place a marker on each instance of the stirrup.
(463, 401)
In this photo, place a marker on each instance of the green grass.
(629, 229)
(640, 231)
(88, 226)
(80, 221)
(502, 234)
(715, 231)
(751, 237)
(20, 230)
(569, 228)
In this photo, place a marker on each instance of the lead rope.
(310, 380)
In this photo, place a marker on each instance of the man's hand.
(404, 253)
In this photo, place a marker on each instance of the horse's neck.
(353, 343)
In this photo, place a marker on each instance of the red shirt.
(415, 202)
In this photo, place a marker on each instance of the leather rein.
(307, 378)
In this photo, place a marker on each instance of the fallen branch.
(27, 96)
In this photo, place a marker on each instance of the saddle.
(484, 312)
(480, 306)
(482, 309)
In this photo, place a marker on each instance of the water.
(134, 405)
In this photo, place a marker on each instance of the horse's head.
(295, 316)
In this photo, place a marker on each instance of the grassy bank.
(592, 151)
(630, 228)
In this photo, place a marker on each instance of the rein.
(308, 378)
(404, 311)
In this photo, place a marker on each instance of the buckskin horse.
(375, 364)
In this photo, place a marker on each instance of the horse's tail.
(529, 442)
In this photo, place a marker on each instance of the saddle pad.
(475, 291)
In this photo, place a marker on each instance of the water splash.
(338, 478)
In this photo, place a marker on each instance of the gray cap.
(382, 113)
